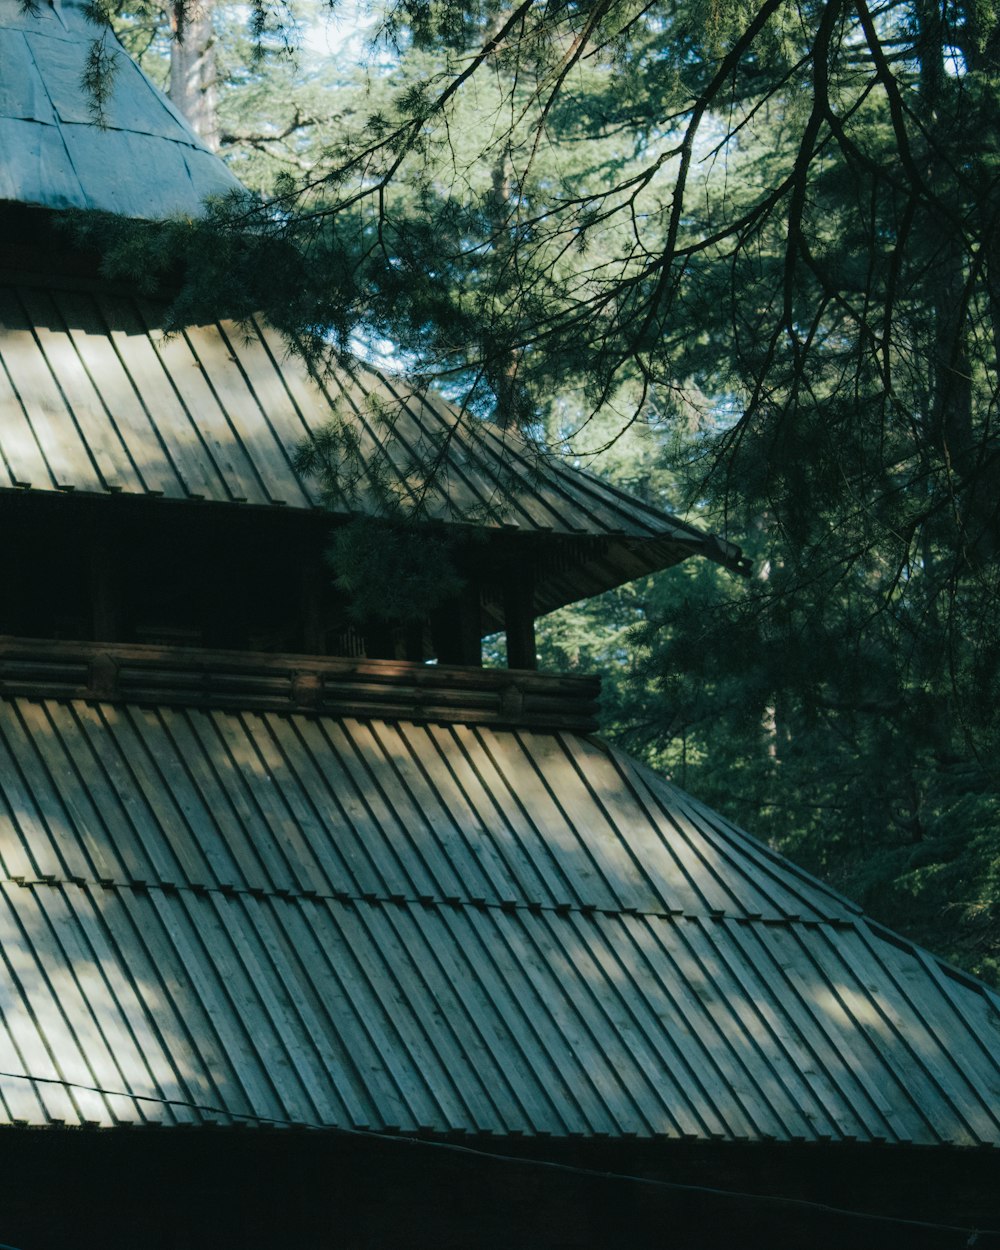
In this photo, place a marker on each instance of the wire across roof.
(449, 928)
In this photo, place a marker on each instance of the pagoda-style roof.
(98, 400)
(142, 159)
(433, 924)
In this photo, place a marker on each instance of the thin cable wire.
(972, 1234)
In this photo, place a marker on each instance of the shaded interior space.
(215, 577)
(259, 1189)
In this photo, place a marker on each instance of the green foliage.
(393, 571)
(99, 75)
(773, 717)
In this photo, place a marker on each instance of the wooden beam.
(456, 628)
(332, 686)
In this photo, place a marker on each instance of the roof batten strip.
(264, 382)
(236, 400)
(205, 412)
(387, 1040)
(805, 1066)
(724, 1007)
(527, 1017)
(304, 1080)
(665, 1056)
(436, 1048)
(698, 1059)
(212, 981)
(485, 492)
(936, 1078)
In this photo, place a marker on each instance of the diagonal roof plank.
(441, 926)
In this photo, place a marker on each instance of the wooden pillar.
(313, 584)
(456, 626)
(380, 641)
(413, 641)
(519, 619)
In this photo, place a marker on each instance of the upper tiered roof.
(97, 400)
(143, 160)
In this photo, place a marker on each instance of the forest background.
(744, 260)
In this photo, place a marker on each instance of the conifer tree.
(768, 234)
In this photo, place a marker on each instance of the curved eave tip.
(727, 554)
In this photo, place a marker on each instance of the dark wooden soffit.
(247, 681)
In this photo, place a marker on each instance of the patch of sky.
(381, 353)
(955, 65)
(348, 30)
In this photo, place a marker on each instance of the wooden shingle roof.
(404, 924)
(96, 399)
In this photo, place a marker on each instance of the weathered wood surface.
(330, 685)
(97, 399)
(440, 928)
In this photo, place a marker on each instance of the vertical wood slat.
(41, 403)
(226, 457)
(519, 618)
(88, 415)
(246, 419)
(456, 628)
(105, 584)
(154, 386)
(281, 417)
(127, 418)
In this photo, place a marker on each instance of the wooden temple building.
(308, 942)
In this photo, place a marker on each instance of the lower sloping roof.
(259, 916)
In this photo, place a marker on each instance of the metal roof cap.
(140, 158)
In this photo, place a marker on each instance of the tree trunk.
(193, 69)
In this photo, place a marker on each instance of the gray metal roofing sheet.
(95, 398)
(144, 161)
(225, 916)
